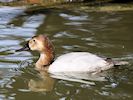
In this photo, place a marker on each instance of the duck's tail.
(117, 63)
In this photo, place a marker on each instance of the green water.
(108, 34)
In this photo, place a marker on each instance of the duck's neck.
(45, 59)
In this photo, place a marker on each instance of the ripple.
(74, 23)
(64, 34)
(34, 21)
(9, 42)
(74, 18)
(27, 30)
(8, 13)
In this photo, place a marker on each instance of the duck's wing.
(77, 62)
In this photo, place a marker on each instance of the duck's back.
(78, 62)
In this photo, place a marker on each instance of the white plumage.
(79, 62)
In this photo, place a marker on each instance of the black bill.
(24, 48)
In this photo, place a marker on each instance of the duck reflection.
(43, 83)
(46, 81)
(81, 77)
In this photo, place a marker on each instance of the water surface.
(108, 34)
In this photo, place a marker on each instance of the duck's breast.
(77, 62)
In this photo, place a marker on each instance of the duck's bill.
(24, 48)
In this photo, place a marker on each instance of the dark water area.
(108, 34)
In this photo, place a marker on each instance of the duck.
(69, 62)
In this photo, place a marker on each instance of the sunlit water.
(108, 34)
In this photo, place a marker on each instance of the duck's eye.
(34, 40)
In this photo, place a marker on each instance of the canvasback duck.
(70, 62)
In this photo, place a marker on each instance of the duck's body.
(79, 61)
(70, 62)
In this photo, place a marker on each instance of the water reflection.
(8, 13)
(43, 83)
(80, 77)
(73, 17)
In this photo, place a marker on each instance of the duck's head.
(39, 43)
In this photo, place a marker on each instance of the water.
(108, 34)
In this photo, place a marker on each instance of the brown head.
(39, 43)
(43, 45)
